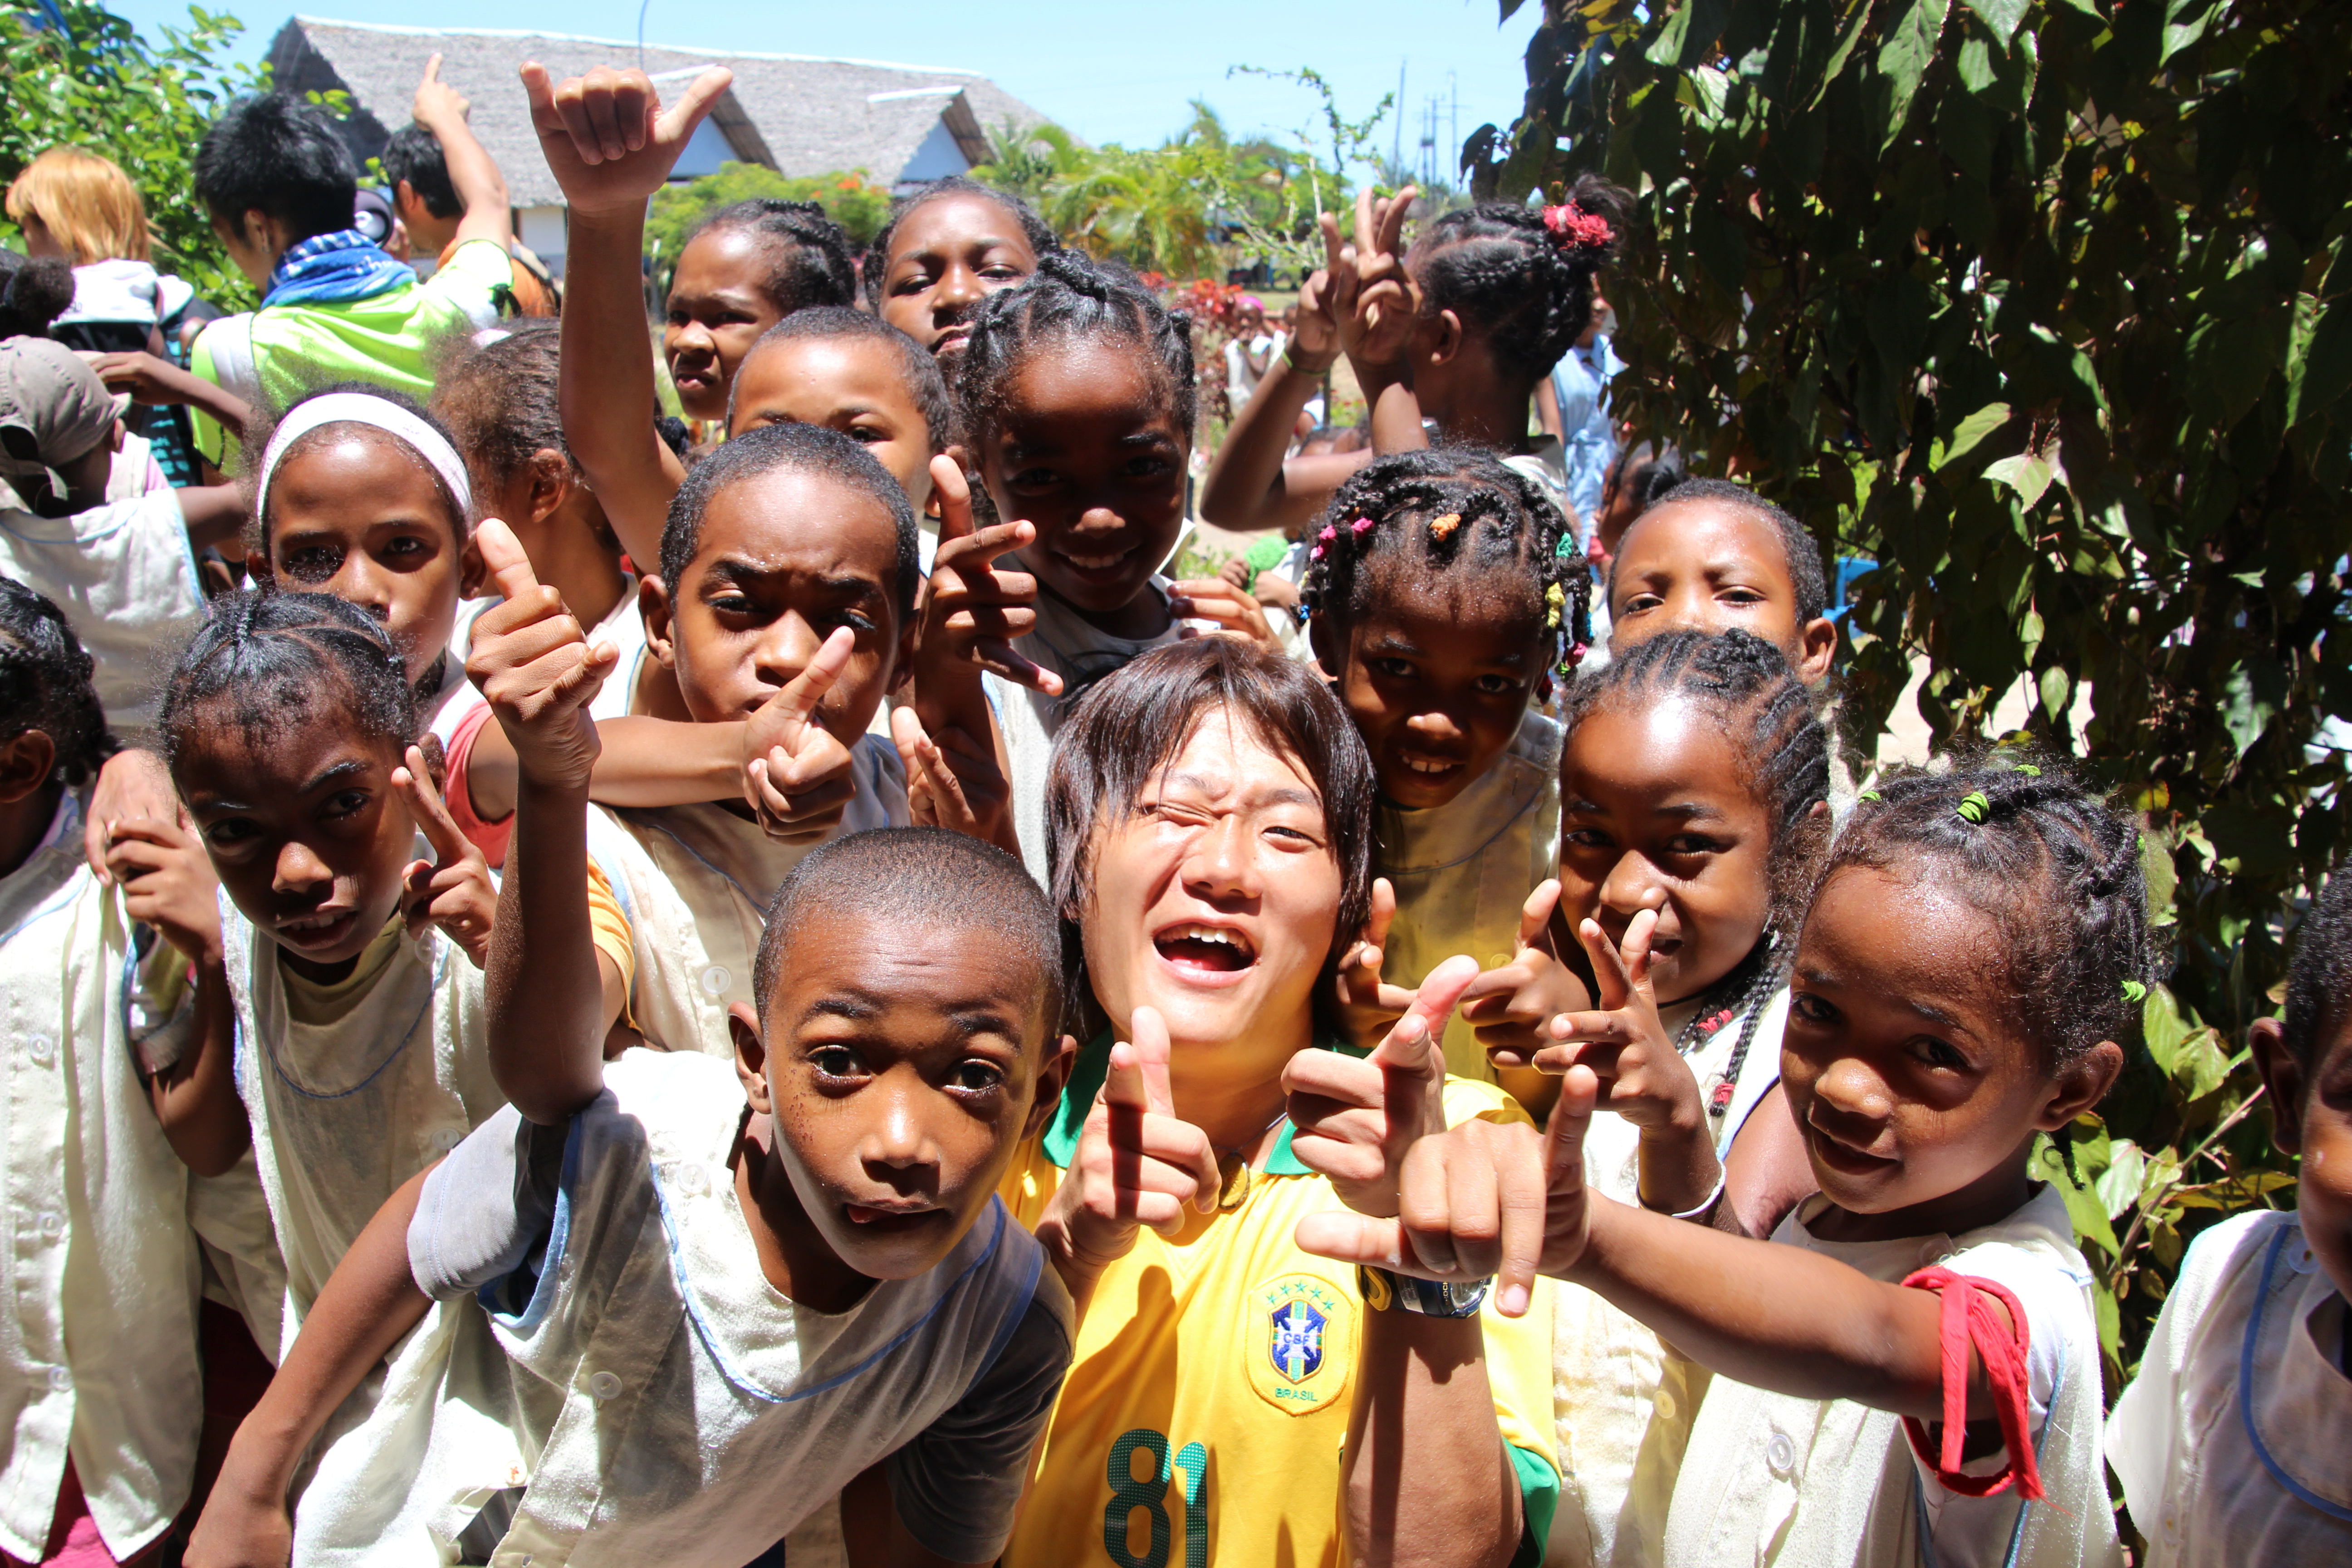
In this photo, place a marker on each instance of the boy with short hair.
(700, 1317)
(437, 177)
(281, 186)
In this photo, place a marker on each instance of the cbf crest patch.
(1301, 1342)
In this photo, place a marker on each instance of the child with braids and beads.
(1908, 1370)
(1437, 601)
(104, 1397)
(1075, 396)
(2230, 1442)
(1693, 804)
(1459, 331)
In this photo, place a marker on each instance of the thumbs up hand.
(1138, 1163)
(530, 658)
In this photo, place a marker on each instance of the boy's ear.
(471, 572)
(1052, 1077)
(26, 764)
(653, 603)
(2083, 1085)
(1817, 649)
(2283, 1077)
(750, 1057)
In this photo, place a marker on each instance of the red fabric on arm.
(490, 837)
(1969, 1322)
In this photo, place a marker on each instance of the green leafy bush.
(848, 198)
(97, 85)
(2042, 306)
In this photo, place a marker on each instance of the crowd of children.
(580, 999)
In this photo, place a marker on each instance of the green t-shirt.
(384, 340)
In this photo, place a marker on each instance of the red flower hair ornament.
(1581, 229)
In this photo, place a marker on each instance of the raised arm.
(546, 1023)
(473, 173)
(368, 1302)
(1252, 484)
(611, 146)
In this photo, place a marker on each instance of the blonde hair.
(86, 200)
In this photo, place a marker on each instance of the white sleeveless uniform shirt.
(97, 1336)
(2230, 1442)
(1770, 1478)
(344, 1113)
(696, 881)
(1623, 1401)
(659, 1399)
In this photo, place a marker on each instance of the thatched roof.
(796, 114)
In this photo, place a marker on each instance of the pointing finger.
(804, 692)
(1391, 225)
(954, 491)
(1535, 913)
(1384, 913)
(424, 804)
(1608, 965)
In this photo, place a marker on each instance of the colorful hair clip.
(1327, 536)
(1317, 553)
(1441, 526)
(1556, 598)
(1362, 525)
(2135, 991)
(2028, 769)
(1587, 231)
(1974, 807)
(1870, 794)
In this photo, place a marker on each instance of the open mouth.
(315, 932)
(1200, 950)
(952, 339)
(892, 1220)
(1428, 766)
(1102, 568)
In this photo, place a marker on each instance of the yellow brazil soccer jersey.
(1208, 1398)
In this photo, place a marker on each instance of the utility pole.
(1396, 150)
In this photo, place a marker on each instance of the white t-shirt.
(615, 1349)
(97, 1336)
(2231, 1441)
(1241, 381)
(1623, 1400)
(696, 881)
(1081, 653)
(1771, 1479)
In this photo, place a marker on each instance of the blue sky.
(1111, 73)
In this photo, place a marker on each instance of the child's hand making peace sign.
(1642, 1078)
(972, 612)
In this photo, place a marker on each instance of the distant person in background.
(372, 216)
(281, 189)
(84, 210)
(417, 165)
(1637, 481)
(1250, 354)
(1573, 406)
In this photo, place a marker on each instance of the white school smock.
(1772, 1478)
(2231, 1441)
(696, 881)
(1081, 653)
(660, 1400)
(126, 579)
(97, 1341)
(1463, 872)
(623, 626)
(344, 1113)
(1623, 1401)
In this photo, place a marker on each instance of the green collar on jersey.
(1061, 1136)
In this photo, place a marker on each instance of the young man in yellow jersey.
(1232, 1399)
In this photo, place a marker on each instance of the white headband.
(360, 408)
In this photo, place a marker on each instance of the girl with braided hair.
(1458, 330)
(1692, 790)
(104, 1399)
(1075, 398)
(350, 941)
(1437, 599)
(1910, 1370)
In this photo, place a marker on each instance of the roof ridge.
(717, 57)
